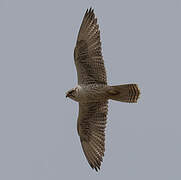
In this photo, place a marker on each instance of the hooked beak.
(66, 95)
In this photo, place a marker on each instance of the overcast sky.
(141, 43)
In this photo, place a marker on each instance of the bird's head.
(72, 93)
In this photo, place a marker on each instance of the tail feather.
(124, 93)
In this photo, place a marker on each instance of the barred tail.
(124, 93)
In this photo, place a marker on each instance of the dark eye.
(71, 93)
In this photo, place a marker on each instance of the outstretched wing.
(87, 53)
(91, 126)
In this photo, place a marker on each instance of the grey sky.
(141, 43)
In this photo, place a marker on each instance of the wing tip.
(93, 161)
(90, 10)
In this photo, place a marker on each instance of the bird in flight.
(92, 92)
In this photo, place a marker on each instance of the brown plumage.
(92, 91)
(87, 54)
(91, 129)
(125, 93)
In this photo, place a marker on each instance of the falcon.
(92, 92)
